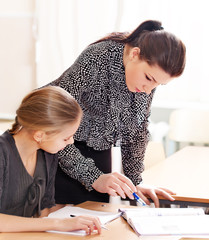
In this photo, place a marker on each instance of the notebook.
(167, 221)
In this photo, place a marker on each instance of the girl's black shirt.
(20, 193)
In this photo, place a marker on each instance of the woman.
(46, 122)
(114, 80)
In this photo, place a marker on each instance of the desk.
(187, 173)
(118, 229)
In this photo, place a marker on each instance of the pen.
(139, 200)
(102, 226)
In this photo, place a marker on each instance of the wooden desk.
(118, 229)
(187, 173)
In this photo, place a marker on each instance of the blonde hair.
(47, 109)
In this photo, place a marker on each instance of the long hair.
(157, 47)
(47, 109)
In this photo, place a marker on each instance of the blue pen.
(139, 200)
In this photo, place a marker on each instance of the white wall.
(63, 28)
(17, 58)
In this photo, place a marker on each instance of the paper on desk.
(65, 212)
(149, 212)
(194, 238)
(167, 221)
(171, 225)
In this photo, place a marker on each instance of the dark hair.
(156, 46)
(47, 109)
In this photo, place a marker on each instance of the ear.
(38, 136)
(134, 53)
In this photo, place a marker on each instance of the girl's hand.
(115, 184)
(151, 191)
(10, 223)
(87, 223)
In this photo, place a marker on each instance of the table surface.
(118, 229)
(186, 172)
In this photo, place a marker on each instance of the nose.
(71, 140)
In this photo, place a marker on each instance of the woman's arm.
(72, 163)
(11, 223)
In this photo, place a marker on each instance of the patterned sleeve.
(78, 167)
(133, 158)
(137, 138)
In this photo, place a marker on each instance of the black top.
(112, 114)
(20, 193)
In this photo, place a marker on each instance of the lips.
(137, 90)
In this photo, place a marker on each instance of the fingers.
(168, 191)
(112, 192)
(165, 194)
(154, 197)
(125, 180)
(115, 184)
(118, 187)
(153, 193)
(143, 197)
(117, 190)
(89, 224)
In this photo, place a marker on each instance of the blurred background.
(42, 38)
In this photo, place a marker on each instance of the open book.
(68, 211)
(167, 221)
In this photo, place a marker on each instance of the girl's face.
(140, 76)
(56, 142)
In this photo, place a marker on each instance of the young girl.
(45, 123)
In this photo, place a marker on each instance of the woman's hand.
(145, 191)
(115, 184)
(87, 223)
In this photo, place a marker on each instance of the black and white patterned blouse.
(112, 114)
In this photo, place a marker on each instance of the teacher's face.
(142, 77)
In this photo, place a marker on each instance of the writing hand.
(87, 223)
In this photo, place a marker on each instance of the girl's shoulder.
(5, 140)
(4, 150)
(7, 148)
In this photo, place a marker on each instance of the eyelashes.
(148, 78)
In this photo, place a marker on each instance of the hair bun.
(151, 25)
